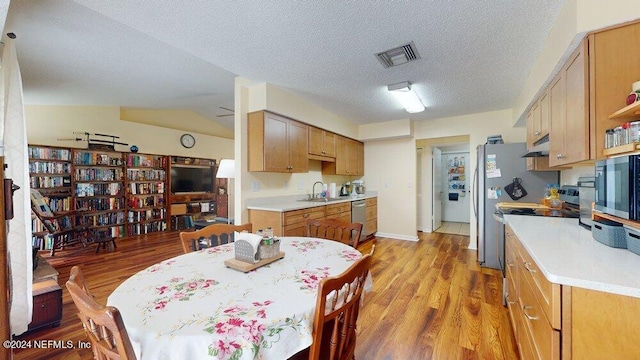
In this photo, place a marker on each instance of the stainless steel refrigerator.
(498, 165)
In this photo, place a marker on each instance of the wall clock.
(187, 140)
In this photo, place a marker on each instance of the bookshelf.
(146, 193)
(98, 184)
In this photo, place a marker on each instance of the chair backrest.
(102, 324)
(337, 305)
(43, 212)
(334, 229)
(212, 235)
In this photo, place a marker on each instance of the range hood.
(540, 148)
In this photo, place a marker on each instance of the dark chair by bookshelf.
(60, 227)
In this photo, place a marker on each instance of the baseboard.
(397, 237)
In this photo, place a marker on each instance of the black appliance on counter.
(618, 187)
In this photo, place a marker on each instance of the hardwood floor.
(430, 299)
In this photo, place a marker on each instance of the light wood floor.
(430, 299)
(456, 228)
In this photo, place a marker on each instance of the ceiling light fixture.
(407, 97)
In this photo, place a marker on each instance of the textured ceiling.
(475, 55)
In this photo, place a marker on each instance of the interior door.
(436, 190)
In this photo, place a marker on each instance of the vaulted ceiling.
(474, 55)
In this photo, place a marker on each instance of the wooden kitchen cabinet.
(552, 321)
(371, 216)
(349, 158)
(277, 143)
(340, 211)
(569, 139)
(322, 144)
(287, 223)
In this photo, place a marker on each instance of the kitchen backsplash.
(570, 176)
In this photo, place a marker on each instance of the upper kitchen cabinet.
(349, 158)
(534, 122)
(569, 137)
(322, 144)
(277, 143)
(593, 83)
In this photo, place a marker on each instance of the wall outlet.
(409, 184)
(255, 186)
(300, 185)
(285, 186)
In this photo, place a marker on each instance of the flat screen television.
(185, 179)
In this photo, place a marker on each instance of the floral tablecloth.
(194, 307)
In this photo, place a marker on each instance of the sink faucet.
(313, 191)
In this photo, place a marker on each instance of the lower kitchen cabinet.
(287, 223)
(340, 211)
(371, 216)
(553, 321)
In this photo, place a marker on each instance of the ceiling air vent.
(399, 55)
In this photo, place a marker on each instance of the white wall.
(390, 169)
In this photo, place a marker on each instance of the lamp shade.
(407, 97)
(227, 169)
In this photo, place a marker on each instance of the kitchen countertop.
(567, 254)
(288, 203)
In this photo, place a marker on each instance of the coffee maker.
(345, 190)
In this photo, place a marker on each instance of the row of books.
(45, 167)
(49, 153)
(146, 160)
(146, 228)
(90, 158)
(112, 218)
(101, 204)
(145, 175)
(112, 189)
(144, 215)
(146, 201)
(98, 174)
(49, 181)
(146, 188)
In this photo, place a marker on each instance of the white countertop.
(288, 203)
(567, 254)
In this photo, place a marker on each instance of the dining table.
(193, 306)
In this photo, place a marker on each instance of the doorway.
(433, 193)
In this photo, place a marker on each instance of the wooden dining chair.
(336, 314)
(102, 324)
(212, 235)
(334, 229)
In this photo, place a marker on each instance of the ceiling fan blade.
(224, 115)
(224, 108)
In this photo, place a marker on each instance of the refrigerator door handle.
(474, 188)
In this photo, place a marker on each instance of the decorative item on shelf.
(222, 191)
(96, 143)
(134, 148)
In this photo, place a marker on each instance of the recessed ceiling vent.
(399, 55)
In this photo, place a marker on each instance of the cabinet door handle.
(509, 300)
(305, 215)
(524, 311)
(536, 133)
(528, 267)
(560, 156)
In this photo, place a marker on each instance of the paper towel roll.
(635, 86)
(332, 190)
(252, 239)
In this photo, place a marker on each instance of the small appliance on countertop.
(358, 186)
(587, 190)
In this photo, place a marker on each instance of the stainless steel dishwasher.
(359, 214)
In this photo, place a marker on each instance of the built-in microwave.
(618, 187)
